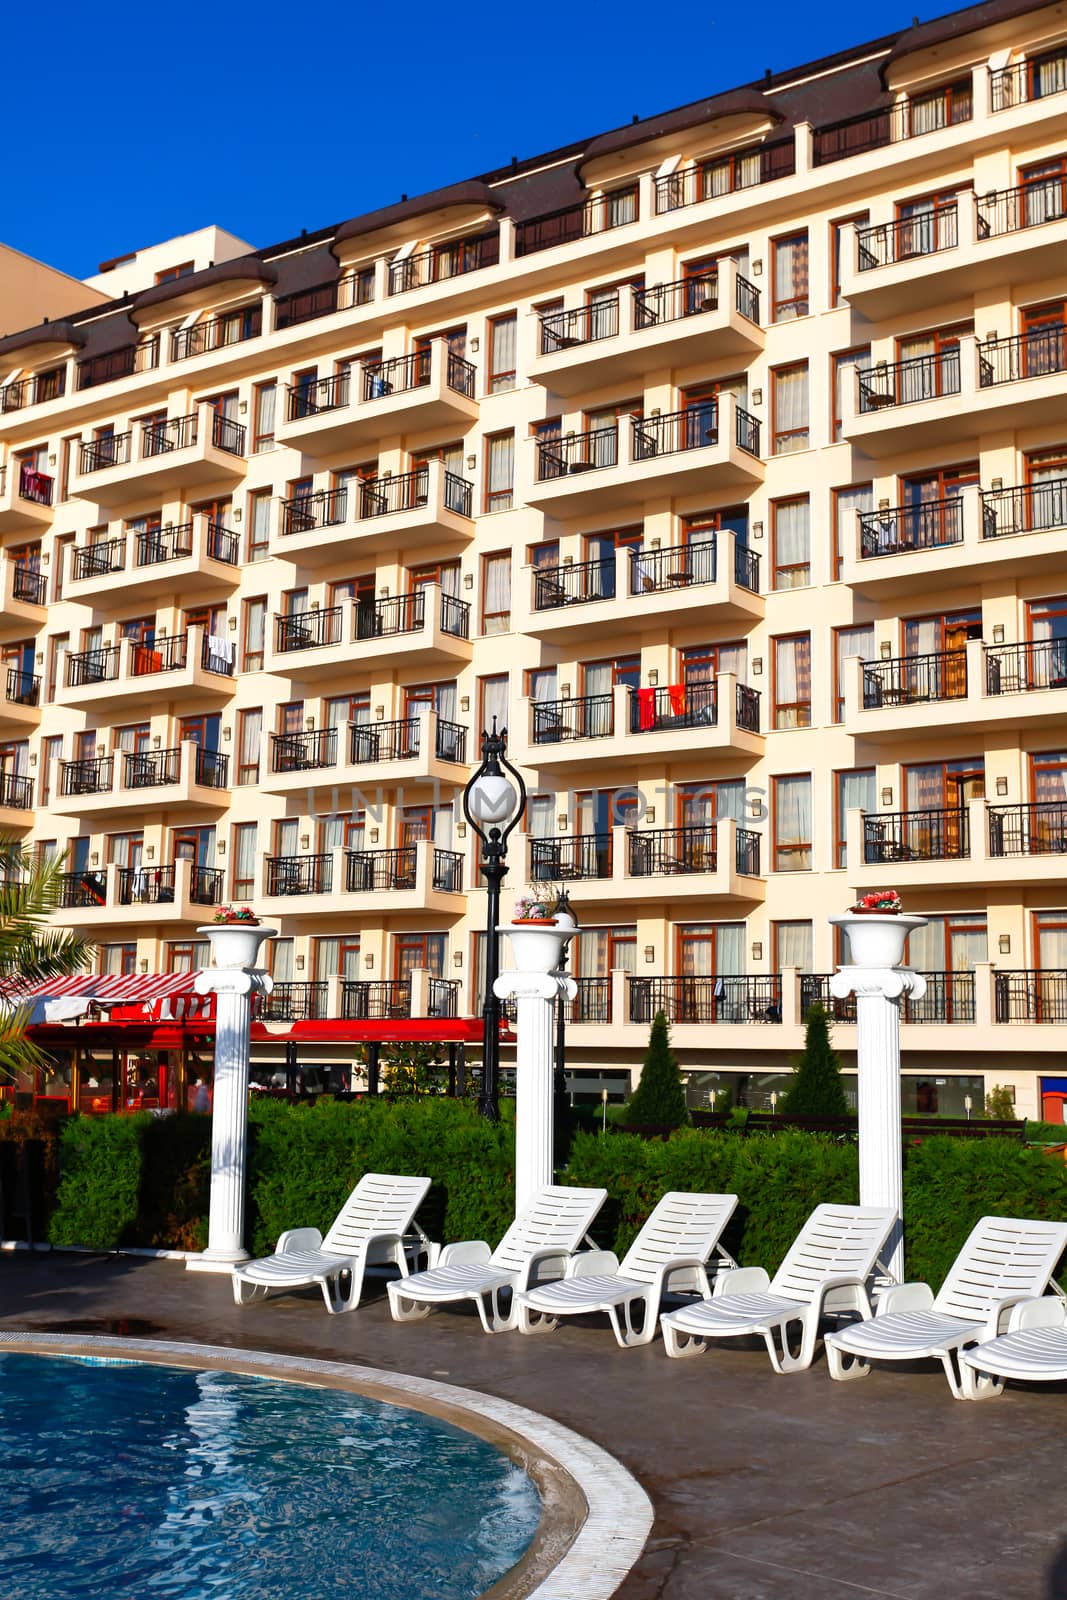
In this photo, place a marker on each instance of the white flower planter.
(877, 939)
(536, 948)
(236, 944)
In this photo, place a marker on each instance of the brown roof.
(735, 102)
(244, 268)
(58, 333)
(956, 24)
(472, 192)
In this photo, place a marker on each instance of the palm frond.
(18, 1054)
(30, 948)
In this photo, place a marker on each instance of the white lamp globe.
(493, 800)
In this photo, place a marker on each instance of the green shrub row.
(141, 1180)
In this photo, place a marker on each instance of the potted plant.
(537, 908)
(880, 902)
(877, 929)
(236, 935)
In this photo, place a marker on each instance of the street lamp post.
(493, 805)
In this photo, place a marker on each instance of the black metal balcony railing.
(32, 485)
(22, 688)
(35, 391)
(443, 261)
(450, 743)
(140, 357)
(925, 234)
(448, 871)
(294, 1002)
(815, 991)
(82, 890)
(216, 333)
(678, 567)
(306, 512)
(690, 297)
(707, 999)
(562, 330)
(149, 886)
(1028, 205)
(572, 223)
(442, 997)
(676, 705)
(369, 870)
(152, 769)
(406, 613)
(110, 450)
(1024, 508)
(709, 180)
(949, 998)
(577, 452)
(29, 586)
(16, 791)
(211, 768)
(386, 741)
(904, 383)
(578, 857)
(167, 652)
(1037, 994)
(378, 1000)
(591, 716)
(93, 666)
(310, 399)
(97, 560)
(304, 752)
(309, 630)
(905, 119)
(294, 875)
(304, 305)
(921, 526)
(1028, 80)
(1029, 355)
(1038, 829)
(92, 776)
(937, 834)
(166, 434)
(911, 680)
(676, 431)
(578, 584)
(175, 542)
(401, 374)
(410, 491)
(673, 850)
(592, 1003)
(1018, 668)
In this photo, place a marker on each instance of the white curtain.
(327, 955)
(1048, 76)
(929, 112)
(793, 682)
(285, 836)
(244, 855)
(791, 422)
(502, 354)
(250, 733)
(845, 368)
(260, 527)
(622, 207)
(795, 945)
(792, 544)
(848, 504)
(500, 472)
(543, 685)
(851, 642)
(265, 402)
(540, 816)
(791, 278)
(495, 702)
(281, 960)
(444, 701)
(792, 824)
(496, 601)
(729, 949)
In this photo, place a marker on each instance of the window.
(844, 366)
(792, 945)
(792, 681)
(841, 238)
(51, 750)
(496, 593)
(853, 791)
(499, 471)
(791, 800)
(255, 622)
(502, 335)
(710, 950)
(848, 504)
(493, 701)
(789, 409)
(413, 951)
(263, 417)
(120, 960)
(249, 735)
(57, 644)
(336, 957)
(790, 282)
(243, 843)
(282, 962)
(168, 274)
(858, 641)
(259, 524)
(929, 366)
(186, 955)
(791, 529)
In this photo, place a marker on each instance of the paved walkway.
(789, 1487)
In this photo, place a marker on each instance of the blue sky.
(267, 118)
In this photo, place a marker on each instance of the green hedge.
(142, 1180)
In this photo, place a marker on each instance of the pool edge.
(571, 1557)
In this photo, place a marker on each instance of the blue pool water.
(161, 1483)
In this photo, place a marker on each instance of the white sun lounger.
(825, 1271)
(1034, 1349)
(370, 1228)
(1004, 1261)
(537, 1245)
(670, 1251)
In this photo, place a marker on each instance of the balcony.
(644, 590)
(727, 999)
(713, 179)
(573, 223)
(433, 388)
(375, 1000)
(23, 599)
(38, 390)
(958, 691)
(216, 333)
(201, 555)
(1038, 829)
(950, 998)
(360, 756)
(711, 447)
(183, 780)
(667, 325)
(295, 1002)
(426, 624)
(630, 726)
(26, 498)
(141, 896)
(668, 866)
(175, 667)
(427, 506)
(157, 460)
(16, 802)
(117, 364)
(20, 706)
(418, 877)
(1037, 995)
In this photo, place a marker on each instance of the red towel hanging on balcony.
(646, 709)
(676, 696)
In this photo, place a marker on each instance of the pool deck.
(791, 1487)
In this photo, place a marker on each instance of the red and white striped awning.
(105, 989)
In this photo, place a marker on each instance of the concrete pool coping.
(595, 1517)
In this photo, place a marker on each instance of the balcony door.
(1048, 792)
(1043, 346)
(930, 364)
(125, 850)
(944, 788)
(1046, 621)
(203, 730)
(347, 830)
(933, 515)
(943, 637)
(439, 697)
(196, 845)
(413, 951)
(601, 951)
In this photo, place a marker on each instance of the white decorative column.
(233, 980)
(879, 982)
(535, 984)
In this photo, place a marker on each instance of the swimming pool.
(168, 1483)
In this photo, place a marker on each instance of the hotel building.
(722, 457)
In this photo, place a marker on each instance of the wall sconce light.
(650, 813)
(757, 397)
(457, 958)
(655, 412)
(45, 558)
(461, 830)
(887, 797)
(757, 530)
(561, 821)
(309, 724)
(300, 963)
(757, 950)
(231, 623)
(475, 346)
(757, 267)
(227, 735)
(1004, 944)
(885, 649)
(564, 691)
(305, 841)
(472, 462)
(468, 580)
(220, 848)
(94, 858)
(374, 836)
(384, 591)
(150, 852)
(654, 544)
(1002, 786)
(39, 658)
(991, 338)
(237, 514)
(243, 407)
(368, 962)
(51, 461)
(757, 666)
(998, 483)
(653, 676)
(33, 758)
(998, 633)
(465, 702)
(568, 561)
(143, 963)
(379, 713)
(315, 605)
(156, 741)
(650, 954)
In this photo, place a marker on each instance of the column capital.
(889, 982)
(534, 986)
(233, 980)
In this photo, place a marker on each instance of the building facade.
(723, 458)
